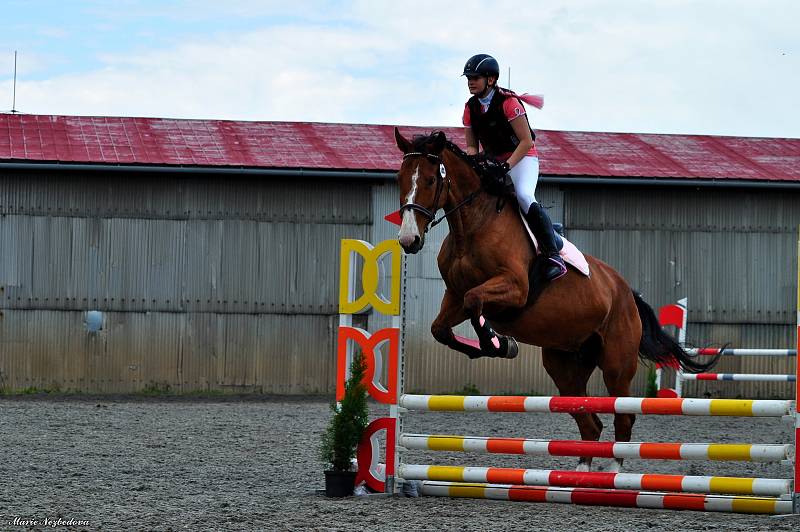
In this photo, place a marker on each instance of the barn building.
(202, 255)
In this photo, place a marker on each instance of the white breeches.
(525, 176)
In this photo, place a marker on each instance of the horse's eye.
(431, 181)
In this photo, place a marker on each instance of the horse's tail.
(658, 346)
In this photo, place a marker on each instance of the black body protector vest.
(492, 128)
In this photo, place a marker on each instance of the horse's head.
(422, 181)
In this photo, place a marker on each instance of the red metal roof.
(160, 141)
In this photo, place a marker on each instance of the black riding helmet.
(482, 65)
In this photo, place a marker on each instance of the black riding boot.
(542, 229)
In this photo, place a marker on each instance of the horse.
(580, 322)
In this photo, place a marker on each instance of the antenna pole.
(509, 72)
(14, 90)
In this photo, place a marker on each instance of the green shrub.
(651, 390)
(468, 389)
(350, 418)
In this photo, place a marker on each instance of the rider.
(496, 118)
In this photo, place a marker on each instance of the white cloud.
(614, 66)
(263, 75)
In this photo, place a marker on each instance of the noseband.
(441, 175)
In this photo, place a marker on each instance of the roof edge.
(212, 170)
(730, 182)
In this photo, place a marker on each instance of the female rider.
(496, 118)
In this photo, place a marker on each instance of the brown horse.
(579, 322)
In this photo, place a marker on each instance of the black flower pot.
(339, 483)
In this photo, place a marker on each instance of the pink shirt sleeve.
(513, 108)
(466, 118)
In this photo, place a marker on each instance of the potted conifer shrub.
(340, 440)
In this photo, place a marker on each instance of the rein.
(465, 201)
(441, 176)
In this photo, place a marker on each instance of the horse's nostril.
(407, 240)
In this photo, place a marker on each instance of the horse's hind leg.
(570, 373)
(618, 361)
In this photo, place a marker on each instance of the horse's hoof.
(512, 349)
(584, 464)
(612, 467)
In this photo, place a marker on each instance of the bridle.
(441, 177)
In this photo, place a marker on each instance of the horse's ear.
(402, 142)
(439, 140)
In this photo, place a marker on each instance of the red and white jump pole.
(764, 487)
(676, 315)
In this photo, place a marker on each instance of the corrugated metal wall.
(731, 252)
(231, 284)
(184, 352)
(205, 283)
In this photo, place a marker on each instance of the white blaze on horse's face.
(409, 231)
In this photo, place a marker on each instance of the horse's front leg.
(451, 314)
(501, 292)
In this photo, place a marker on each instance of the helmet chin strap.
(486, 90)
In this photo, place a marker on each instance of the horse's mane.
(490, 182)
(420, 143)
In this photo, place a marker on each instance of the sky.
(721, 67)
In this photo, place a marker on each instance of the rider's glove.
(495, 169)
(494, 176)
